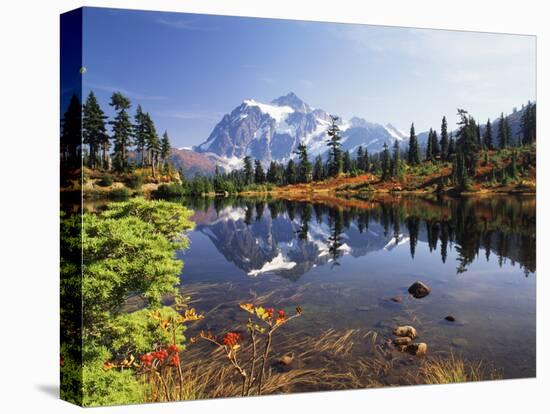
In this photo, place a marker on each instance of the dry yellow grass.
(324, 362)
(450, 370)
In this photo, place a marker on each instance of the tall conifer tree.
(335, 147)
(414, 151)
(94, 132)
(122, 130)
(502, 132)
(444, 140)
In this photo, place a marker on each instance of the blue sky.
(188, 70)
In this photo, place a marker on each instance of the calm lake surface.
(344, 260)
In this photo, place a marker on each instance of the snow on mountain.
(396, 133)
(272, 131)
(278, 113)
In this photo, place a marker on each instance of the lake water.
(344, 260)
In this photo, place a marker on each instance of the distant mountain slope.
(194, 163)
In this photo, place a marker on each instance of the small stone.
(450, 318)
(408, 331)
(286, 359)
(364, 308)
(402, 340)
(418, 349)
(419, 290)
(396, 299)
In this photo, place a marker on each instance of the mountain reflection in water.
(344, 260)
(289, 238)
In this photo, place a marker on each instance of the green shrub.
(121, 192)
(110, 387)
(134, 181)
(105, 181)
(170, 190)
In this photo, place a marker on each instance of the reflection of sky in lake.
(493, 300)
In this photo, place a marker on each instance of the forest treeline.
(133, 141)
(473, 143)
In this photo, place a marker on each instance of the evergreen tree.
(122, 130)
(318, 173)
(360, 161)
(436, 150)
(94, 132)
(165, 148)
(502, 132)
(335, 147)
(429, 152)
(385, 160)
(460, 171)
(396, 160)
(414, 151)
(290, 173)
(366, 161)
(467, 143)
(529, 123)
(508, 131)
(452, 147)
(488, 135)
(304, 167)
(153, 143)
(275, 173)
(259, 175)
(444, 140)
(346, 162)
(140, 133)
(248, 171)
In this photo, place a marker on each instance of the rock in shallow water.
(418, 349)
(286, 359)
(419, 290)
(402, 340)
(396, 299)
(450, 318)
(407, 331)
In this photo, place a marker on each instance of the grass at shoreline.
(323, 363)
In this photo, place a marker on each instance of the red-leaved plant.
(252, 373)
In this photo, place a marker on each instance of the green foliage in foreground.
(127, 250)
(138, 331)
(110, 387)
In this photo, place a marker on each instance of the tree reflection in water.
(504, 226)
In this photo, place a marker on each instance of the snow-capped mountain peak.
(272, 131)
(291, 100)
(277, 112)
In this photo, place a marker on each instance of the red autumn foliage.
(232, 338)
